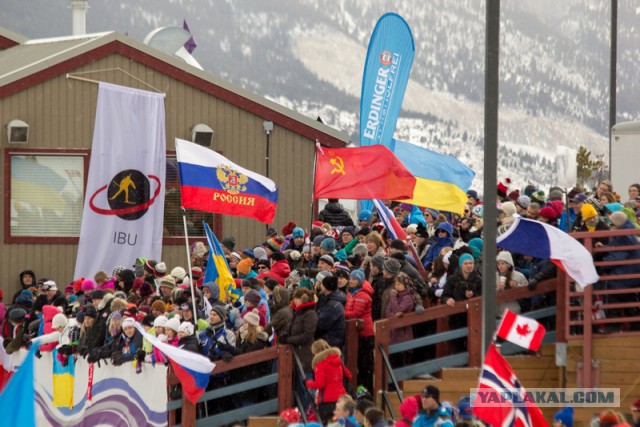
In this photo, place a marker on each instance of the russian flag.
(536, 239)
(212, 183)
(389, 221)
(192, 369)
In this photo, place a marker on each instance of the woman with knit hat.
(507, 278)
(464, 284)
(359, 305)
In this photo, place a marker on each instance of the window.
(45, 198)
(173, 224)
(46, 194)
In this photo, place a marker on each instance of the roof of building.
(9, 38)
(33, 61)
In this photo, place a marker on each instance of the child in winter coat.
(401, 300)
(328, 377)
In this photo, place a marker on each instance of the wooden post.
(587, 337)
(285, 377)
(188, 414)
(474, 338)
(351, 345)
(381, 338)
(563, 315)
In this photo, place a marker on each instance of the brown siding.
(61, 114)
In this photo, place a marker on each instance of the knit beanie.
(244, 266)
(463, 258)
(253, 297)
(88, 285)
(327, 259)
(392, 266)
(378, 261)
(275, 243)
(328, 244)
(588, 211)
(523, 202)
(179, 273)
(565, 416)
(358, 275)
(297, 232)
(506, 257)
(228, 242)
(252, 318)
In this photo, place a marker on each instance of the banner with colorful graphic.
(115, 395)
(124, 202)
(385, 78)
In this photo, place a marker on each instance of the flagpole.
(315, 161)
(186, 242)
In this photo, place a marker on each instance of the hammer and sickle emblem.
(338, 165)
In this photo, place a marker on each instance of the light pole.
(491, 92)
(268, 128)
(613, 70)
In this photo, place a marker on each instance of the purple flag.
(191, 44)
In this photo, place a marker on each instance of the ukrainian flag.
(441, 181)
(63, 377)
(217, 268)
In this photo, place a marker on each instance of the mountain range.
(309, 55)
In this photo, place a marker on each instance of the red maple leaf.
(523, 330)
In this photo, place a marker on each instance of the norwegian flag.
(498, 380)
(521, 330)
(389, 220)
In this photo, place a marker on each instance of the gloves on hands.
(226, 356)
(532, 284)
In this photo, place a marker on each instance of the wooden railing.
(281, 353)
(580, 305)
(440, 313)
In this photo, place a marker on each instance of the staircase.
(535, 371)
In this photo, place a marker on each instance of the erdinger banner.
(386, 73)
(124, 202)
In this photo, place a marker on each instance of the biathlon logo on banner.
(124, 204)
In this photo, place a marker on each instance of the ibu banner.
(124, 202)
(386, 73)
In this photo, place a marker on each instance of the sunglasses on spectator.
(262, 267)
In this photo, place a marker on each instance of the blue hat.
(297, 232)
(358, 275)
(614, 207)
(328, 244)
(249, 253)
(565, 416)
(472, 193)
(364, 215)
(463, 258)
(465, 409)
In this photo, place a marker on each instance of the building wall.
(61, 114)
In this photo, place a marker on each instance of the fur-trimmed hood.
(333, 354)
(281, 297)
(104, 301)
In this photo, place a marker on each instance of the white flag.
(124, 201)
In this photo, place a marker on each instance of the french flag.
(539, 240)
(212, 183)
(192, 369)
(389, 220)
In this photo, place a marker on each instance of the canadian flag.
(521, 330)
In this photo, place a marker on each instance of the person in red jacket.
(359, 307)
(280, 268)
(328, 377)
